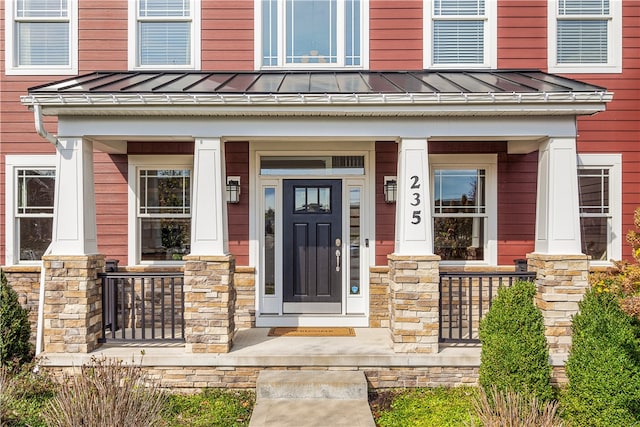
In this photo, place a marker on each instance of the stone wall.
(414, 302)
(73, 303)
(379, 297)
(209, 305)
(244, 282)
(562, 281)
(193, 378)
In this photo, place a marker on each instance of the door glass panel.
(354, 241)
(312, 200)
(269, 241)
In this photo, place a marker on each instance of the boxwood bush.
(604, 365)
(15, 330)
(515, 355)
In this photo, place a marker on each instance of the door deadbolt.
(338, 242)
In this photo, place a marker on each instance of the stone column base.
(209, 303)
(72, 303)
(414, 302)
(561, 283)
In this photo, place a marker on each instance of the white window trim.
(11, 69)
(196, 40)
(364, 37)
(614, 49)
(490, 38)
(612, 162)
(137, 162)
(12, 164)
(488, 162)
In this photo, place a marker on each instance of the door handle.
(338, 259)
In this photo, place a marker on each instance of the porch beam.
(74, 220)
(557, 211)
(413, 207)
(209, 220)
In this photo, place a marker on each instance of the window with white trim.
(162, 209)
(460, 33)
(585, 36)
(599, 185)
(310, 33)
(30, 190)
(165, 34)
(41, 37)
(464, 208)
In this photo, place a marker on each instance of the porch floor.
(253, 347)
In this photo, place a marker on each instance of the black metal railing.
(142, 306)
(465, 297)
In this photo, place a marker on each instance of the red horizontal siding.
(395, 35)
(386, 165)
(110, 175)
(522, 34)
(237, 164)
(227, 35)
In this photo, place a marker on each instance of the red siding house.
(185, 175)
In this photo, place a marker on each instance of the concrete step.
(310, 399)
(311, 385)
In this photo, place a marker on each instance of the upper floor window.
(310, 33)
(585, 36)
(460, 33)
(30, 189)
(41, 37)
(165, 34)
(599, 186)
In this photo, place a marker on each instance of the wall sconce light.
(390, 189)
(233, 189)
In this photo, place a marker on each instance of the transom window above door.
(310, 33)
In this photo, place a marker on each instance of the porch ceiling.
(319, 93)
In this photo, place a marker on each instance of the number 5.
(416, 217)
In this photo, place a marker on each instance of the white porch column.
(209, 220)
(557, 214)
(74, 221)
(413, 207)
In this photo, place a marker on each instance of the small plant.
(604, 365)
(106, 392)
(511, 409)
(15, 330)
(514, 354)
(23, 395)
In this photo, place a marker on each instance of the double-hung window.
(585, 36)
(464, 208)
(599, 185)
(460, 33)
(30, 189)
(41, 37)
(161, 200)
(310, 33)
(165, 34)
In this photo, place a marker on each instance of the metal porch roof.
(421, 89)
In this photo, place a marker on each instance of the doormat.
(312, 332)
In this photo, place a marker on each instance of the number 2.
(415, 184)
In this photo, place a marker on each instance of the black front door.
(312, 245)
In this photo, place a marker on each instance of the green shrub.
(15, 330)
(514, 354)
(604, 365)
(23, 395)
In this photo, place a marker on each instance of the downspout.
(40, 324)
(37, 113)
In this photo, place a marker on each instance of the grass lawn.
(424, 407)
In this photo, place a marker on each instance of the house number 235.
(416, 217)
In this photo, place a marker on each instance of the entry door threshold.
(309, 320)
(312, 307)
